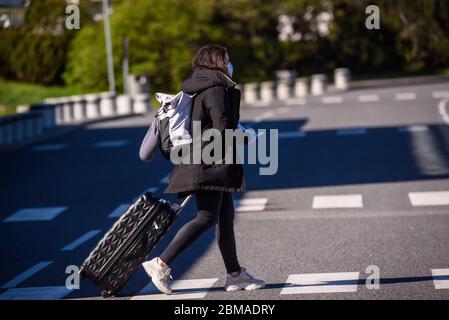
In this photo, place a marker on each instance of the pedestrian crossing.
(433, 198)
(26, 274)
(35, 214)
(362, 98)
(321, 283)
(200, 288)
(49, 147)
(182, 289)
(250, 205)
(36, 293)
(295, 284)
(338, 201)
(111, 144)
(440, 278)
(84, 238)
(319, 202)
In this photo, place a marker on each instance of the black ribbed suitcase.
(127, 244)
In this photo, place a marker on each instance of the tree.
(162, 39)
(36, 51)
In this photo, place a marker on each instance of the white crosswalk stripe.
(182, 289)
(405, 96)
(440, 278)
(351, 132)
(368, 98)
(117, 212)
(295, 101)
(283, 110)
(440, 94)
(321, 283)
(26, 274)
(416, 128)
(250, 205)
(111, 144)
(35, 214)
(338, 201)
(49, 147)
(36, 293)
(268, 114)
(332, 100)
(260, 105)
(84, 238)
(291, 134)
(429, 198)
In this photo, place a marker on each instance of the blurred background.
(40, 58)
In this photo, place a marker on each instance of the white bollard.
(79, 108)
(283, 89)
(124, 104)
(107, 104)
(141, 103)
(301, 87)
(342, 79)
(67, 110)
(318, 84)
(267, 91)
(22, 108)
(49, 116)
(250, 93)
(56, 103)
(92, 106)
(59, 108)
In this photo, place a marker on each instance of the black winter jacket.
(216, 105)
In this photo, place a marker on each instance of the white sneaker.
(244, 281)
(160, 276)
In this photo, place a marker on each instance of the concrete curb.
(62, 130)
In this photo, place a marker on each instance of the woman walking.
(216, 105)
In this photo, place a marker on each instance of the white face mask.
(230, 69)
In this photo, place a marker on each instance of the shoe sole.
(247, 288)
(149, 271)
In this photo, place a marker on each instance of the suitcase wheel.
(107, 294)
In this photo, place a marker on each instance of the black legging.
(214, 207)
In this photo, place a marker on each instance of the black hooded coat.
(217, 105)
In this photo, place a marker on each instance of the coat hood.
(206, 78)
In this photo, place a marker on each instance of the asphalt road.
(362, 185)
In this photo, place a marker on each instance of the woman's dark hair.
(211, 57)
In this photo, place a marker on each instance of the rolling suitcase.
(127, 244)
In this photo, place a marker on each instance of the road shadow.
(91, 182)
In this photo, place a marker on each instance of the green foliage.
(13, 93)
(36, 51)
(87, 66)
(164, 35)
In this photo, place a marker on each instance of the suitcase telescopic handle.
(186, 201)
